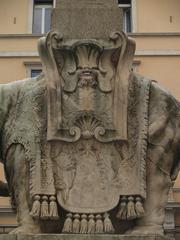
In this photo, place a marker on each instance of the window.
(33, 69)
(126, 7)
(135, 66)
(42, 16)
(35, 72)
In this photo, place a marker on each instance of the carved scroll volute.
(53, 81)
(122, 77)
(106, 71)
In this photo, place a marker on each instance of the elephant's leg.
(17, 174)
(158, 185)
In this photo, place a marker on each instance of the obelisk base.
(82, 237)
(87, 19)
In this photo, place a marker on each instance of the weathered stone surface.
(8, 237)
(82, 237)
(85, 19)
(79, 3)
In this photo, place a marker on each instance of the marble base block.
(82, 237)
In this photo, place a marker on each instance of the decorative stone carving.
(89, 145)
(88, 73)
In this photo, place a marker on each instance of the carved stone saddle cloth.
(88, 176)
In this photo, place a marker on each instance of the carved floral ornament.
(78, 69)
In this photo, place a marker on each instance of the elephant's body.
(163, 154)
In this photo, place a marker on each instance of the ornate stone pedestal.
(82, 237)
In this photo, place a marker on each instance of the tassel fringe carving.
(87, 224)
(91, 224)
(84, 224)
(131, 214)
(68, 224)
(130, 208)
(108, 227)
(99, 224)
(76, 224)
(122, 212)
(36, 208)
(53, 209)
(44, 208)
(139, 207)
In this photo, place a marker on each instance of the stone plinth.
(81, 237)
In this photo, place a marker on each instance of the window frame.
(30, 66)
(125, 25)
(135, 65)
(43, 7)
(38, 69)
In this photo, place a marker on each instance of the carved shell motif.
(88, 125)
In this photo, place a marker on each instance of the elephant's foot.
(146, 230)
(26, 229)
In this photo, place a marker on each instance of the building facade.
(154, 25)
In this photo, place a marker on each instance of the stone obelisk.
(87, 19)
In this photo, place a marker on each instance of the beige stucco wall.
(157, 41)
(13, 69)
(18, 43)
(14, 16)
(161, 66)
(177, 183)
(155, 15)
(176, 196)
(165, 70)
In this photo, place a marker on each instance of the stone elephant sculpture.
(23, 106)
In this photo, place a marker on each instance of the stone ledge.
(82, 237)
